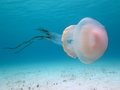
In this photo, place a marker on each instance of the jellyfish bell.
(88, 40)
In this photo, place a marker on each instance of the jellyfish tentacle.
(44, 31)
(29, 41)
(49, 35)
(24, 42)
(54, 37)
(24, 47)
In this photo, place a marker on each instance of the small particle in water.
(64, 80)
(38, 85)
(92, 69)
(29, 87)
(72, 74)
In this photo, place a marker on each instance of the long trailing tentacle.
(24, 42)
(29, 42)
(23, 47)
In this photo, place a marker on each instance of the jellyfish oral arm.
(56, 38)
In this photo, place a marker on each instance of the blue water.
(20, 18)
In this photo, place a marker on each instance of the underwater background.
(20, 18)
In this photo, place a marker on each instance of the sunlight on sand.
(61, 77)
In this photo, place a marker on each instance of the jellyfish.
(87, 41)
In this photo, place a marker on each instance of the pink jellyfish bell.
(88, 40)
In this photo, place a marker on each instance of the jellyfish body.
(88, 40)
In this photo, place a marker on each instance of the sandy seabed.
(61, 76)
